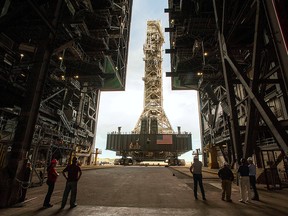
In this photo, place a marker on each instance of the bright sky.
(124, 108)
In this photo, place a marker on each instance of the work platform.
(149, 147)
(153, 191)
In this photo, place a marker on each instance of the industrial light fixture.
(205, 54)
(199, 73)
(21, 56)
(63, 77)
(60, 58)
(76, 77)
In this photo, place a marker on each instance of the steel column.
(235, 132)
(271, 121)
(201, 124)
(277, 36)
(252, 117)
(28, 116)
(39, 12)
(5, 8)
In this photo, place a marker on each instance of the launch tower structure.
(153, 118)
(153, 138)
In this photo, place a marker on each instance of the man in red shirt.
(52, 177)
(74, 174)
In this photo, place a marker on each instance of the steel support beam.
(9, 19)
(53, 95)
(271, 121)
(41, 15)
(278, 37)
(252, 117)
(201, 127)
(28, 116)
(5, 8)
(281, 47)
(234, 125)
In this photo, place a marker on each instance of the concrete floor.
(148, 191)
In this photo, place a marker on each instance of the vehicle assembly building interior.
(234, 53)
(57, 56)
(51, 76)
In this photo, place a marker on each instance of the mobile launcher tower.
(153, 138)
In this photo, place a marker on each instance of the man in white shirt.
(196, 170)
(252, 177)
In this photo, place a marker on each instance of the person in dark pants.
(26, 179)
(74, 174)
(226, 175)
(252, 178)
(51, 179)
(196, 170)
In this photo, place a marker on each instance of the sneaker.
(73, 206)
(204, 198)
(247, 201)
(223, 199)
(196, 198)
(48, 206)
(241, 200)
(230, 200)
(255, 198)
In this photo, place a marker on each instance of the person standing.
(26, 181)
(51, 179)
(74, 174)
(196, 170)
(226, 176)
(252, 178)
(245, 192)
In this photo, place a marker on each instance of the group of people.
(247, 172)
(73, 175)
(247, 179)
